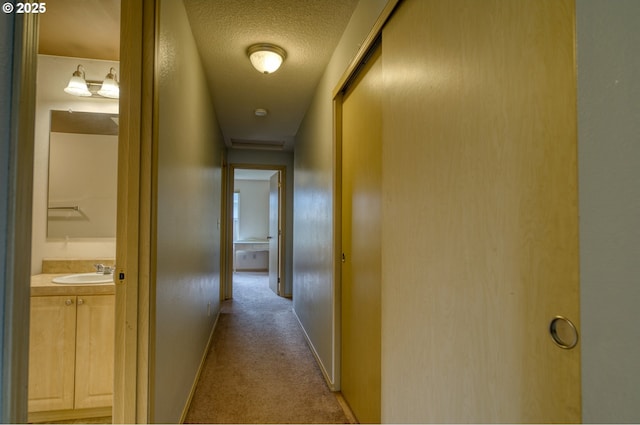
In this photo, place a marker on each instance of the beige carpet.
(260, 369)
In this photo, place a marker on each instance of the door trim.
(135, 254)
(16, 241)
(227, 285)
(338, 97)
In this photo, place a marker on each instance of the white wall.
(53, 75)
(189, 187)
(254, 209)
(313, 260)
(609, 181)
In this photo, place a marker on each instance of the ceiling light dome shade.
(266, 58)
(110, 86)
(77, 85)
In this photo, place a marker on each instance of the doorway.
(255, 230)
(73, 217)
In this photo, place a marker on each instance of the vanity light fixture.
(77, 84)
(110, 86)
(265, 57)
(80, 86)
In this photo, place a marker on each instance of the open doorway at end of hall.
(255, 230)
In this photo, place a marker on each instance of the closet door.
(480, 230)
(361, 184)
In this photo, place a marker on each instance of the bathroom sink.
(83, 278)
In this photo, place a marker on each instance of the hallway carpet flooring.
(259, 368)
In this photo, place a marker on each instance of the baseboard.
(69, 415)
(326, 375)
(183, 416)
(346, 408)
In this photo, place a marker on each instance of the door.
(52, 345)
(94, 351)
(274, 233)
(361, 220)
(480, 230)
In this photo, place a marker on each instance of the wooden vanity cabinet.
(71, 352)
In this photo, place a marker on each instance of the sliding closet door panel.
(480, 235)
(361, 183)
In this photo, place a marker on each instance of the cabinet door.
(51, 353)
(94, 351)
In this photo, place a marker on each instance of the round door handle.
(563, 332)
(69, 301)
(80, 301)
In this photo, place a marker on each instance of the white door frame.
(227, 285)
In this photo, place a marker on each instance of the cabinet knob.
(69, 301)
(80, 301)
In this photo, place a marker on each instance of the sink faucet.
(101, 268)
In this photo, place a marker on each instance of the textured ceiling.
(308, 30)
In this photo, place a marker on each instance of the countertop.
(42, 285)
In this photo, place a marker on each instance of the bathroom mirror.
(83, 155)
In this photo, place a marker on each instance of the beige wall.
(53, 75)
(609, 169)
(313, 253)
(190, 148)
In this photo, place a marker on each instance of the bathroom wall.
(53, 75)
(609, 180)
(254, 209)
(313, 261)
(190, 154)
(253, 222)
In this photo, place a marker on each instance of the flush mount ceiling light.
(261, 112)
(266, 58)
(80, 86)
